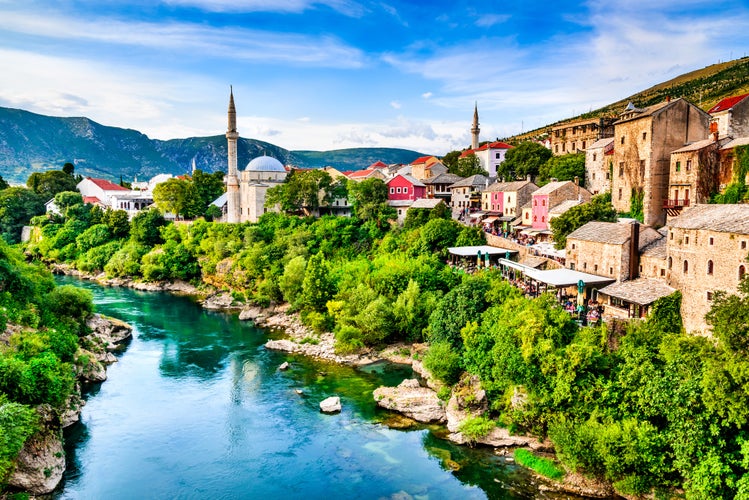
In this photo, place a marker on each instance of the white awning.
(472, 251)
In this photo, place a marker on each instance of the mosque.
(245, 190)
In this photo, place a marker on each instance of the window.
(497, 156)
(710, 267)
(621, 169)
(593, 176)
(622, 140)
(594, 156)
(611, 271)
(608, 175)
(405, 189)
(743, 245)
(583, 146)
(710, 241)
(709, 296)
(535, 203)
(686, 267)
(670, 261)
(585, 265)
(689, 166)
(543, 218)
(742, 272)
(556, 148)
(573, 246)
(671, 235)
(392, 190)
(543, 202)
(663, 272)
(572, 266)
(644, 136)
(526, 215)
(620, 193)
(678, 166)
(642, 168)
(595, 268)
(686, 194)
(535, 218)
(398, 190)
(509, 199)
(686, 240)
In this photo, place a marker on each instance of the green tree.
(3, 183)
(69, 168)
(208, 187)
(17, 206)
(292, 279)
(467, 166)
(598, 209)
(369, 201)
(48, 184)
(317, 287)
(563, 168)
(144, 228)
(302, 191)
(66, 199)
(450, 160)
(179, 197)
(523, 160)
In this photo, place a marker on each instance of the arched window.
(670, 261)
(709, 267)
(742, 271)
(686, 266)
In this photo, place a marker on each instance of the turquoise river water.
(197, 408)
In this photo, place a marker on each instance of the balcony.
(674, 206)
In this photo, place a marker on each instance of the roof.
(507, 187)
(602, 143)
(611, 233)
(107, 185)
(641, 291)
(421, 159)
(739, 141)
(566, 277)
(93, 200)
(446, 178)
(220, 201)
(493, 145)
(400, 203)
(727, 103)
(426, 203)
(412, 180)
(378, 164)
(719, 218)
(655, 249)
(551, 187)
(648, 111)
(361, 173)
(472, 181)
(695, 146)
(473, 251)
(467, 152)
(265, 164)
(562, 207)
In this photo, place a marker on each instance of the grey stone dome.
(265, 164)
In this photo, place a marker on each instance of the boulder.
(109, 331)
(219, 301)
(468, 400)
(91, 370)
(284, 366)
(331, 405)
(250, 314)
(73, 407)
(412, 400)
(40, 464)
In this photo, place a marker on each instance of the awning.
(478, 214)
(561, 278)
(517, 222)
(507, 218)
(472, 251)
(489, 220)
(515, 265)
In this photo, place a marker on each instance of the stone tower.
(475, 128)
(232, 179)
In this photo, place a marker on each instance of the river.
(196, 407)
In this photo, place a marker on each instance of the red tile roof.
(91, 199)
(727, 103)
(468, 152)
(377, 164)
(360, 173)
(107, 185)
(420, 160)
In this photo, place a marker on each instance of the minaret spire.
(232, 178)
(475, 128)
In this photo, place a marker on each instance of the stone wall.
(727, 252)
(599, 258)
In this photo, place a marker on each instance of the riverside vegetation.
(648, 409)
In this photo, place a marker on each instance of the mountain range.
(30, 142)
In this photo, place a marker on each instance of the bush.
(126, 261)
(68, 301)
(348, 340)
(544, 466)
(474, 428)
(17, 423)
(443, 362)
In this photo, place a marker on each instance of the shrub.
(348, 340)
(68, 301)
(443, 362)
(474, 428)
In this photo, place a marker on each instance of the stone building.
(643, 142)
(427, 167)
(707, 251)
(577, 135)
(598, 165)
(506, 198)
(246, 190)
(466, 194)
(438, 187)
(552, 194)
(731, 115)
(610, 249)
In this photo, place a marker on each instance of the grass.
(544, 466)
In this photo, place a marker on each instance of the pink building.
(550, 196)
(405, 187)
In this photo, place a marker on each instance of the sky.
(333, 74)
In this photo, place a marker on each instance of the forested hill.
(30, 142)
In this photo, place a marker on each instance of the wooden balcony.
(674, 206)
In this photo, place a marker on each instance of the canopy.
(561, 278)
(489, 220)
(472, 251)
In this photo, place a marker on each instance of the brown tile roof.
(445, 178)
(719, 218)
(477, 180)
(656, 248)
(612, 233)
(641, 291)
(507, 187)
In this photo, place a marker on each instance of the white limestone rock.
(331, 405)
(284, 366)
(412, 400)
(40, 464)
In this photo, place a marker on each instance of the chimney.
(577, 187)
(634, 251)
(528, 177)
(668, 98)
(714, 131)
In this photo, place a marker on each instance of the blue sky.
(332, 74)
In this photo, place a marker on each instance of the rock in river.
(331, 405)
(414, 401)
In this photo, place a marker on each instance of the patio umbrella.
(478, 260)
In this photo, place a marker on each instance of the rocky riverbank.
(41, 462)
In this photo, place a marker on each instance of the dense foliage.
(598, 209)
(523, 160)
(189, 197)
(39, 326)
(563, 168)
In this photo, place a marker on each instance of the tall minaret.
(475, 129)
(232, 179)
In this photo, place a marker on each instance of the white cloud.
(192, 39)
(395, 105)
(345, 7)
(427, 95)
(489, 20)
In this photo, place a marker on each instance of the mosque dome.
(265, 164)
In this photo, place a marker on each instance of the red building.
(405, 187)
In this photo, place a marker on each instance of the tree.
(17, 206)
(369, 201)
(208, 187)
(450, 160)
(144, 228)
(563, 168)
(598, 209)
(3, 183)
(523, 160)
(66, 199)
(301, 191)
(317, 287)
(69, 168)
(48, 184)
(467, 166)
(179, 197)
